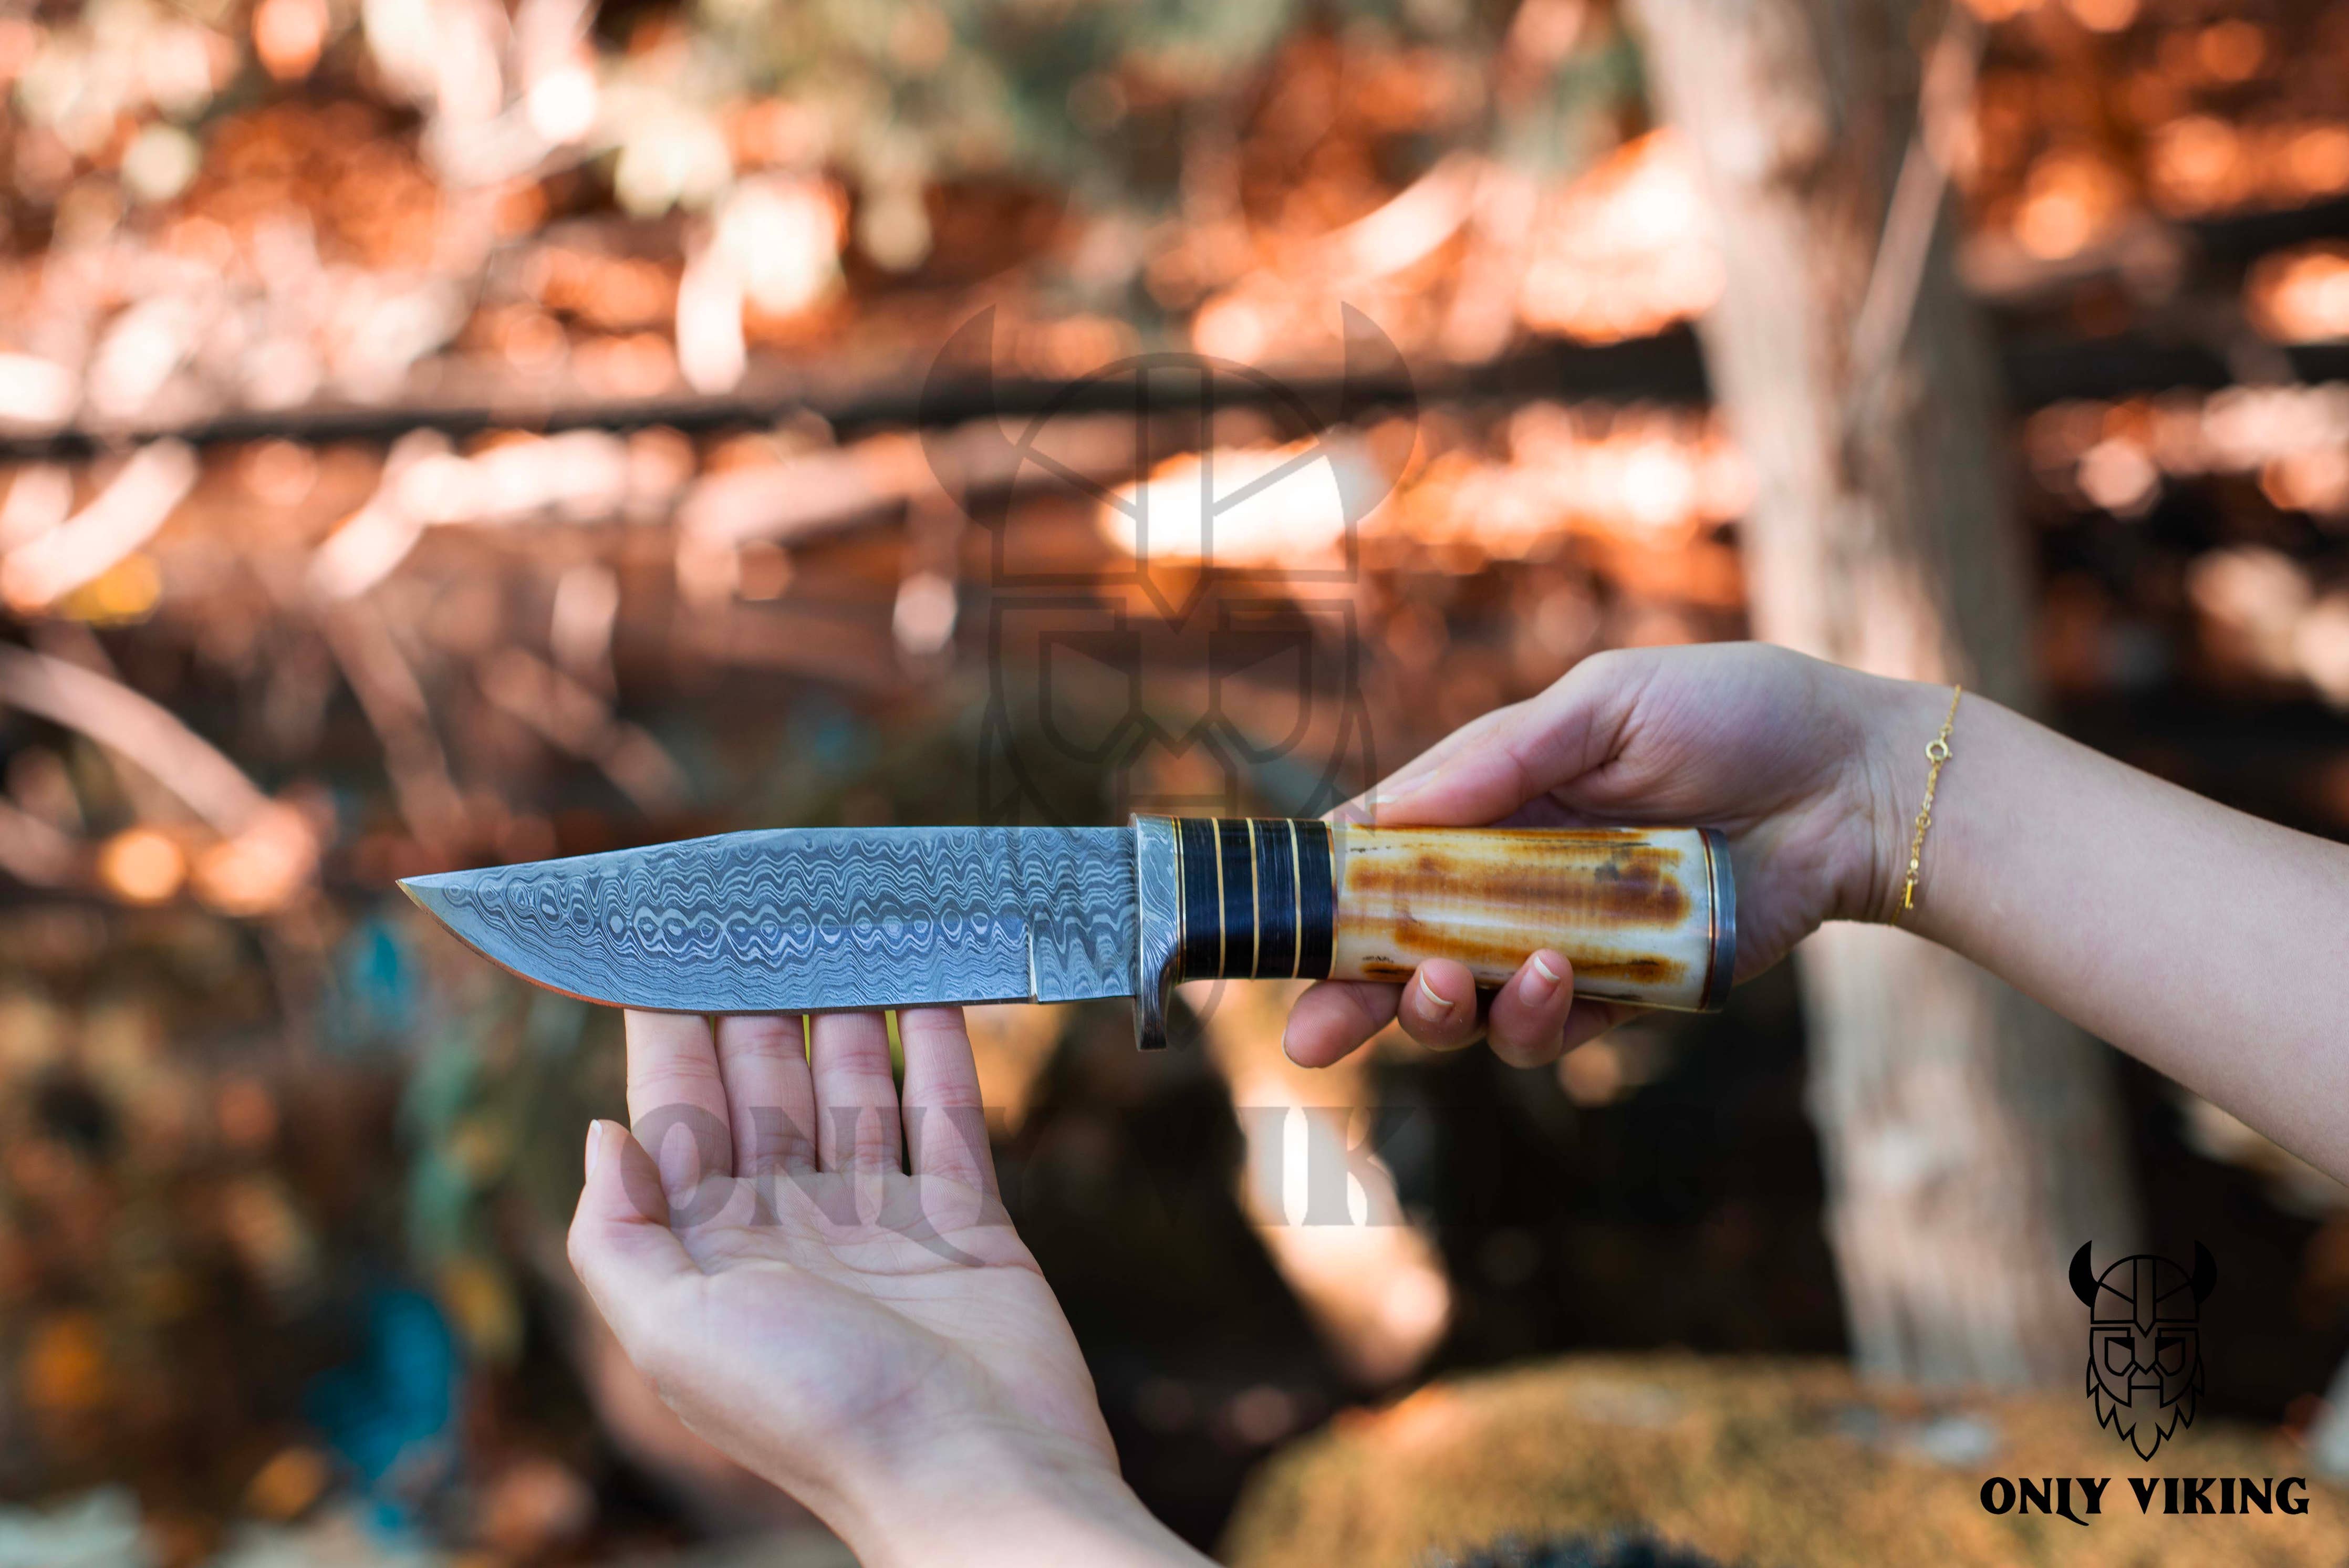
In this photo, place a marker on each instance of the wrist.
(1008, 1501)
(1897, 718)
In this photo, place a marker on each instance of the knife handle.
(1647, 915)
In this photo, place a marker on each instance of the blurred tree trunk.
(1971, 1138)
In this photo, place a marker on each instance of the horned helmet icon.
(2144, 1341)
(1187, 673)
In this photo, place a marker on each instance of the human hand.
(878, 1343)
(1776, 750)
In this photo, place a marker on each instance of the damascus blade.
(788, 919)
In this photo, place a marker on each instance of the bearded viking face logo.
(2144, 1341)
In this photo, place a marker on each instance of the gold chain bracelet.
(1937, 751)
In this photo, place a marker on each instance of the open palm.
(828, 1319)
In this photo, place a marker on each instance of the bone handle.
(1647, 915)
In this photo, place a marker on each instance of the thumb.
(1440, 762)
(1485, 770)
(620, 1243)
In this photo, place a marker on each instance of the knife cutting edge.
(821, 918)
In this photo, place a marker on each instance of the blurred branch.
(1501, 227)
(394, 705)
(372, 541)
(40, 497)
(123, 517)
(32, 851)
(137, 729)
(577, 722)
(1411, 226)
(1663, 367)
(813, 493)
(850, 405)
(1944, 107)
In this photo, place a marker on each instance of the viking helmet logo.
(2144, 1341)
(1093, 671)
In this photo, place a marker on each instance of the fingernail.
(1546, 973)
(1443, 1003)
(1404, 788)
(595, 1147)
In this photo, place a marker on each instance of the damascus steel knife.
(813, 919)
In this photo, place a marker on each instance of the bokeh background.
(435, 433)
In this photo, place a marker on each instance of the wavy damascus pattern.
(1159, 901)
(813, 918)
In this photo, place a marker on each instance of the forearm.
(2208, 943)
(994, 1511)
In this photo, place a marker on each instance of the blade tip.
(428, 893)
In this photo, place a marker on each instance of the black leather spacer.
(1317, 900)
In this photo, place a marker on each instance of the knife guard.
(1646, 915)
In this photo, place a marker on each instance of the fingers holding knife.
(770, 1092)
(1531, 1020)
(676, 1100)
